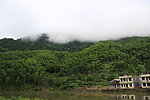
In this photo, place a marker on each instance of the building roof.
(115, 81)
(125, 76)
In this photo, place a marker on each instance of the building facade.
(126, 81)
(129, 81)
(145, 80)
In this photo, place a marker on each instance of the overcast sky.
(67, 20)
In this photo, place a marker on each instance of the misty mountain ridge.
(44, 42)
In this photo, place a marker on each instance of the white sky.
(67, 20)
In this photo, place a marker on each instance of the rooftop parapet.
(125, 76)
(145, 75)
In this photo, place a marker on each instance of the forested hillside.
(43, 42)
(95, 65)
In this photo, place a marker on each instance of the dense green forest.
(95, 65)
(43, 42)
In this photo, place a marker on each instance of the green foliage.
(97, 64)
(19, 98)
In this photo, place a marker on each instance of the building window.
(121, 80)
(132, 97)
(130, 85)
(146, 98)
(144, 84)
(124, 79)
(127, 85)
(143, 78)
(129, 79)
(148, 84)
(123, 97)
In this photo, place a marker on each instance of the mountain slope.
(97, 64)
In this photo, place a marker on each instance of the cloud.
(65, 20)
